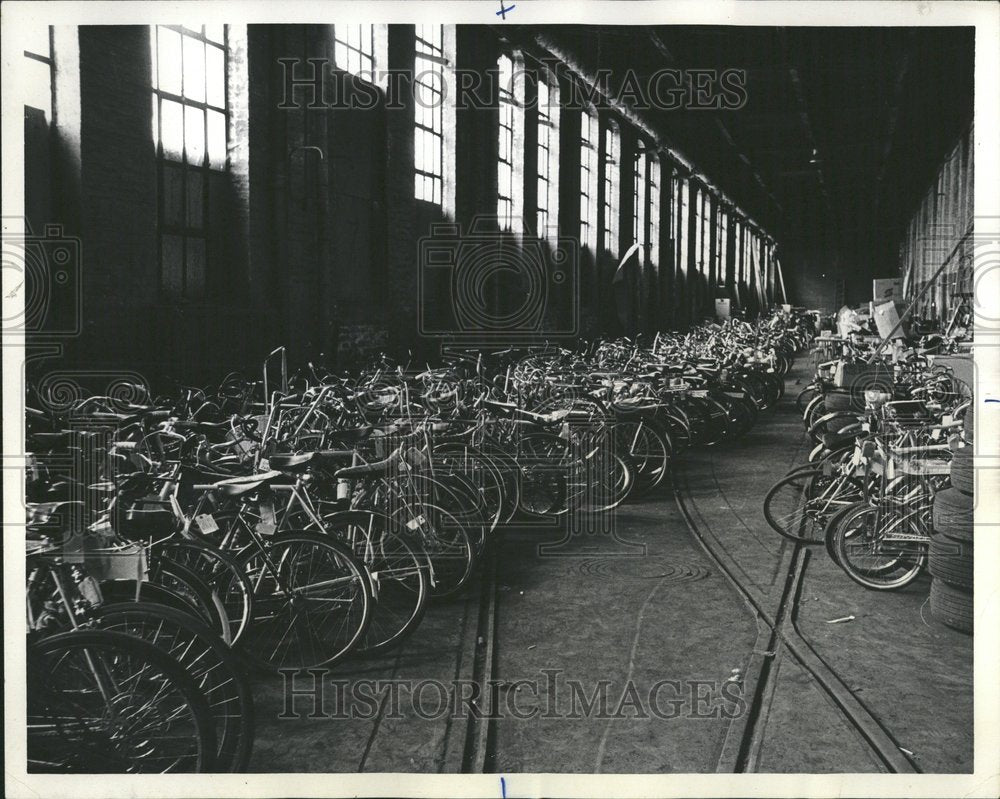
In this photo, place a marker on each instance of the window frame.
(653, 193)
(434, 54)
(182, 229)
(611, 205)
(348, 48)
(547, 183)
(590, 140)
(510, 107)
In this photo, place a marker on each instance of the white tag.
(268, 522)
(417, 523)
(935, 434)
(564, 431)
(699, 393)
(206, 523)
(90, 590)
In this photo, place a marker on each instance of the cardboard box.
(887, 318)
(890, 288)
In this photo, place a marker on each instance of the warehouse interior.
(239, 199)
(311, 223)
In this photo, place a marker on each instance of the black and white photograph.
(475, 398)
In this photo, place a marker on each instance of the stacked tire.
(950, 559)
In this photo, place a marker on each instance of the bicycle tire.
(223, 575)
(49, 665)
(899, 569)
(399, 577)
(287, 553)
(219, 674)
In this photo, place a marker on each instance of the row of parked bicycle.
(888, 487)
(293, 521)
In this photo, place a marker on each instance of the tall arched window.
(611, 152)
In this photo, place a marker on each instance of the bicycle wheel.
(479, 472)
(443, 539)
(105, 702)
(648, 448)
(601, 477)
(544, 463)
(799, 505)
(222, 574)
(879, 548)
(804, 397)
(399, 577)
(312, 601)
(219, 674)
(190, 585)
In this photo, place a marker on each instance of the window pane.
(195, 195)
(168, 60)
(216, 33)
(37, 85)
(156, 120)
(216, 140)
(172, 260)
(216, 76)
(172, 129)
(194, 69)
(194, 134)
(173, 195)
(35, 39)
(418, 149)
(195, 272)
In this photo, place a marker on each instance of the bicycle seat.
(237, 486)
(352, 436)
(835, 441)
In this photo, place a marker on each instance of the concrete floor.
(666, 620)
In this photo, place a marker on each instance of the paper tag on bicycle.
(90, 590)
(417, 523)
(564, 431)
(416, 458)
(946, 420)
(268, 522)
(935, 434)
(700, 393)
(206, 523)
